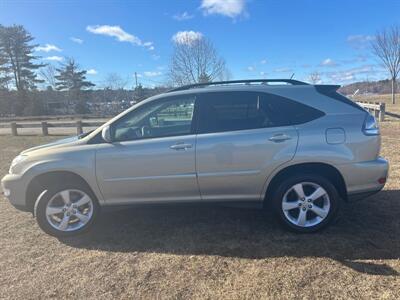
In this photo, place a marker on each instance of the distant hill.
(368, 87)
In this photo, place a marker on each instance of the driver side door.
(152, 158)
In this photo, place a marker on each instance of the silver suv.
(298, 149)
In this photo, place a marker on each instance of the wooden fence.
(377, 108)
(79, 125)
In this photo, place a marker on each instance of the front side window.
(231, 111)
(161, 118)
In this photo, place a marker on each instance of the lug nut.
(68, 214)
(309, 200)
(304, 208)
(302, 199)
(309, 206)
(299, 204)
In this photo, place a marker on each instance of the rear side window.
(289, 112)
(231, 111)
(331, 91)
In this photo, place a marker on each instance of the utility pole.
(136, 79)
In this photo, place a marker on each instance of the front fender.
(81, 163)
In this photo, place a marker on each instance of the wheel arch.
(39, 182)
(323, 169)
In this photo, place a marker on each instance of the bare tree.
(114, 86)
(315, 77)
(48, 74)
(386, 47)
(196, 60)
(113, 81)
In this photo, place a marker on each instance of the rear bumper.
(14, 188)
(364, 178)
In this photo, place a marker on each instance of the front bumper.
(364, 178)
(14, 189)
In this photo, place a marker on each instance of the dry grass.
(206, 252)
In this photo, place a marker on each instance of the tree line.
(23, 76)
(20, 69)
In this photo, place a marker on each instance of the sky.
(257, 38)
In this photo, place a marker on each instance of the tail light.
(370, 126)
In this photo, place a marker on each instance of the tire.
(66, 210)
(302, 210)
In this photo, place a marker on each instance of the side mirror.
(106, 134)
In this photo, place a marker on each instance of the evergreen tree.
(5, 77)
(138, 92)
(72, 79)
(17, 59)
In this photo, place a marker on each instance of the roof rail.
(247, 81)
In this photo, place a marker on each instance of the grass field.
(183, 252)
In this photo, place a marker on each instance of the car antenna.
(291, 77)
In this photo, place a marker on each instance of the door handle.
(281, 137)
(181, 146)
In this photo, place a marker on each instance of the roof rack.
(248, 82)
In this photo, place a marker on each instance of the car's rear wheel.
(66, 210)
(306, 203)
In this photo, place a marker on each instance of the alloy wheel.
(69, 210)
(306, 204)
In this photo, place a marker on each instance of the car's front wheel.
(66, 210)
(306, 203)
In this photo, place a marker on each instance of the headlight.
(16, 161)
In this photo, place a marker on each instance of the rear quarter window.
(285, 111)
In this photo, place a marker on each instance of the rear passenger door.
(242, 137)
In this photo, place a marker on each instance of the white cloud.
(360, 41)
(229, 8)
(76, 40)
(120, 34)
(262, 73)
(356, 59)
(48, 48)
(263, 62)
(183, 16)
(360, 38)
(328, 63)
(187, 37)
(353, 74)
(152, 73)
(250, 68)
(343, 76)
(283, 70)
(91, 72)
(155, 57)
(54, 58)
